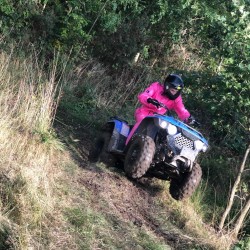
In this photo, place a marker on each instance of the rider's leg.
(132, 131)
(140, 114)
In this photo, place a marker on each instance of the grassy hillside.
(53, 198)
(124, 214)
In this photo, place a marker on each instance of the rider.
(168, 94)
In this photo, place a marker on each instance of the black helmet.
(175, 82)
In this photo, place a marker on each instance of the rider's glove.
(190, 120)
(154, 102)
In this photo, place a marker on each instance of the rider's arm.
(180, 109)
(148, 93)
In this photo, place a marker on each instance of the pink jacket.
(155, 91)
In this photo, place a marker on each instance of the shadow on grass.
(5, 236)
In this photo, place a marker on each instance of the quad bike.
(161, 147)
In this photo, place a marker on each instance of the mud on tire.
(184, 188)
(141, 150)
(99, 153)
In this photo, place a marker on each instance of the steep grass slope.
(53, 198)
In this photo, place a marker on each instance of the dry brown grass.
(28, 100)
(189, 215)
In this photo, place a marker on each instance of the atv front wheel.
(184, 188)
(139, 156)
(99, 150)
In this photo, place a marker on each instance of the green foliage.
(216, 32)
(223, 94)
(80, 103)
(243, 244)
(49, 138)
(226, 103)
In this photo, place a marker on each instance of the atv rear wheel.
(141, 150)
(99, 150)
(184, 188)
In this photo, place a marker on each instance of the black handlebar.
(156, 103)
(190, 121)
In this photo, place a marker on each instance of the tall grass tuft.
(28, 101)
(28, 96)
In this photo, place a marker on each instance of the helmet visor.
(173, 86)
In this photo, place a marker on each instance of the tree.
(243, 213)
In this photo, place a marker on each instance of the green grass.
(107, 232)
(52, 198)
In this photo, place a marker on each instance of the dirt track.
(130, 201)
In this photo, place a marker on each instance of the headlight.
(199, 145)
(172, 130)
(204, 148)
(163, 124)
